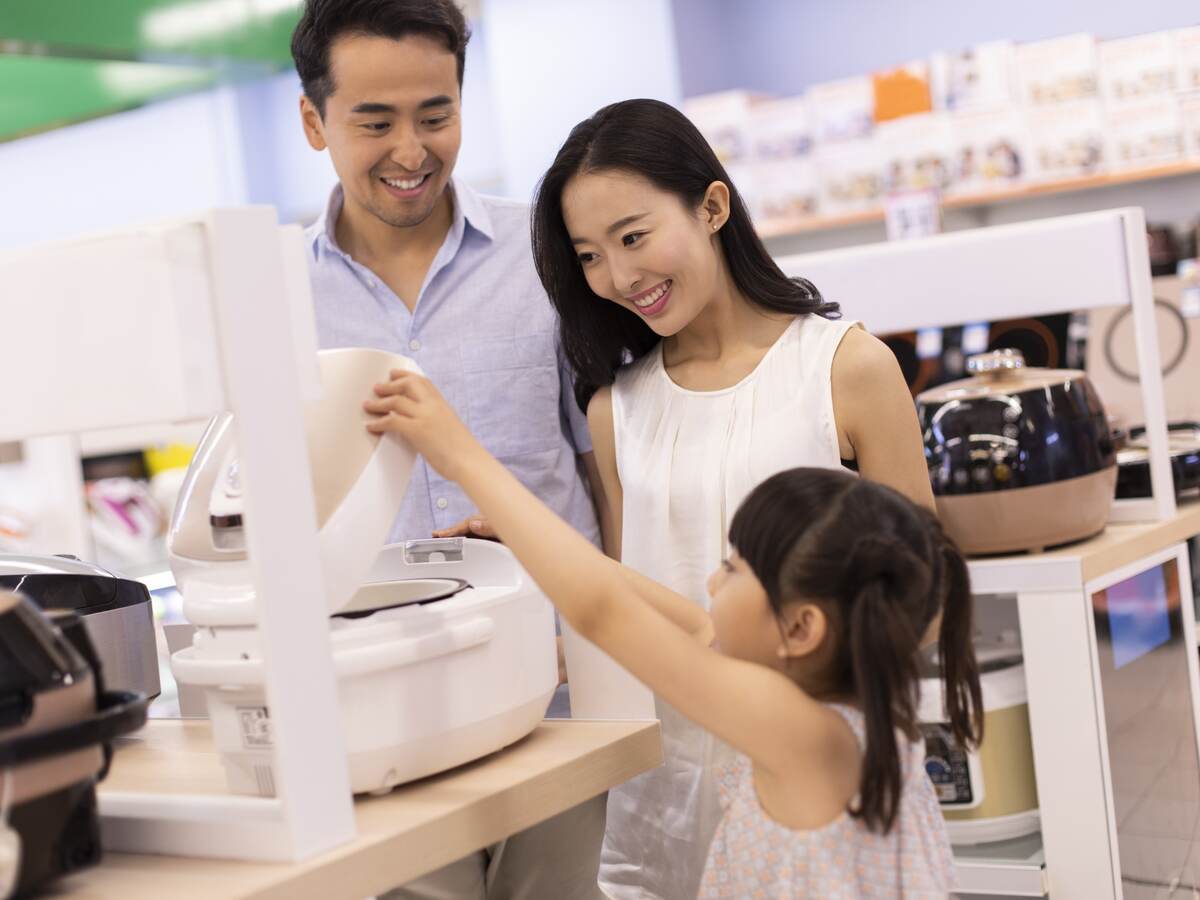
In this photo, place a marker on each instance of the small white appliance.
(444, 650)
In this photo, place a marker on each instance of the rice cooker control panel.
(949, 767)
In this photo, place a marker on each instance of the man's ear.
(314, 126)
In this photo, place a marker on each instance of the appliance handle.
(120, 712)
(347, 663)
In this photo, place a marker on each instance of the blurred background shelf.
(777, 228)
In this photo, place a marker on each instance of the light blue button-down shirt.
(485, 333)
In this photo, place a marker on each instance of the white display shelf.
(141, 437)
(1015, 868)
(1064, 568)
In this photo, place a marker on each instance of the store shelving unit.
(1014, 868)
(776, 228)
(1035, 268)
(220, 308)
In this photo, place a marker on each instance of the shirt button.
(372, 283)
(442, 503)
(414, 344)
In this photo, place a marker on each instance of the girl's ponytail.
(884, 570)
(883, 648)
(956, 652)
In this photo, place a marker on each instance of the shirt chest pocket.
(513, 393)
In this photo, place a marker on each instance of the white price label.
(912, 214)
(255, 725)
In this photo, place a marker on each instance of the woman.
(704, 371)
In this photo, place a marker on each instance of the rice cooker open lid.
(359, 480)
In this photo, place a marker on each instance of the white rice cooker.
(988, 794)
(444, 650)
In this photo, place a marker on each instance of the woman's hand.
(412, 407)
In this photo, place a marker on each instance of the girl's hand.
(412, 407)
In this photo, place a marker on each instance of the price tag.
(912, 214)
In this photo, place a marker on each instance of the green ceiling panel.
(247, 30)
(64, 61)
(42, 93)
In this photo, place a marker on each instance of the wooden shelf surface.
(414, 830)
(1072, 565)
(775, 228)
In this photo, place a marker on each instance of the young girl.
(708, 370)
(832, 585)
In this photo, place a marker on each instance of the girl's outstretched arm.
(644, 626)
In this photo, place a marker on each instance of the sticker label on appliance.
(255, 724)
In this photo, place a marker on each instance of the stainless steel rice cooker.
(1019, 458)
(989, 794)
(56, 727)
(116, 611)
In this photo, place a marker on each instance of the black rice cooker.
(1020, 458)
(57, 724)
(116, 612)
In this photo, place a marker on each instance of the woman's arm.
(602, 471)
(645, 627)
(876, 418)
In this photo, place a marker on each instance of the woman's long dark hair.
(883, 569)
(656, 141)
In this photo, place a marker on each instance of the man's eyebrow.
(441, 100)
(371, 108)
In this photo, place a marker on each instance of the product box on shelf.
(842, 110)
(990, 151)
(784, 182)
(724, 120)
(784, 190)
(903, 91)
(917, 153)
(1066, 140)
(1144, 133)
(850, 176)
(1189, 124)
(1137, 68)
(1187, 58)
(975, 78)
(1058, 70)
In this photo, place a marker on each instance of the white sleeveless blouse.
(686, 460)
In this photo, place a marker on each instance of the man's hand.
(476, 526)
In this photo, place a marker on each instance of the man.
(407, 259)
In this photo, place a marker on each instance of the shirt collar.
(469, 209)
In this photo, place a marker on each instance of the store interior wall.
(781, 47)
(146, 164)
(555, 62)
(243, 143)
